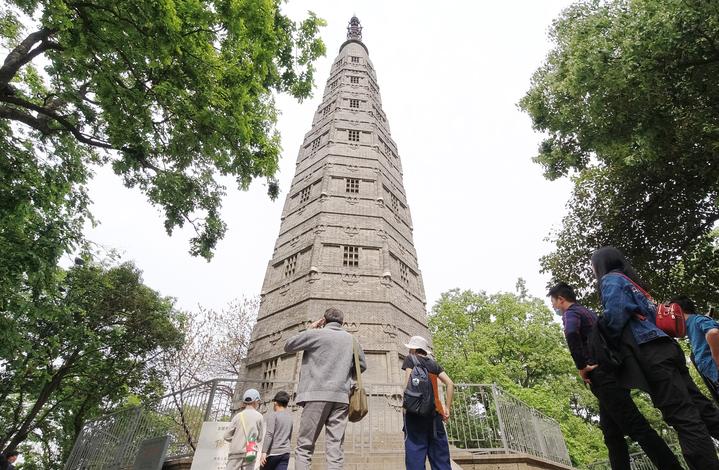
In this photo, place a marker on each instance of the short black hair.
(334, 315)
(282, 398)
(685, 303)
(564, 290)
(11, 453)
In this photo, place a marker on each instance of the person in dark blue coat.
(662, 361)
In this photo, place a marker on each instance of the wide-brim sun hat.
(417, 342)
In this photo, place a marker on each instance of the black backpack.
(419, 395)
(602, 349)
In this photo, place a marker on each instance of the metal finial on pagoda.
(354, 29)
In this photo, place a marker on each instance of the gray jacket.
(279, 433)
(327, 363)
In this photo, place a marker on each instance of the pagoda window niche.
(290, 266)
(394, 203)
(403, 273)
(327, 109)
(350, 256)
(352, 185)
(269, 373)
(305, 194)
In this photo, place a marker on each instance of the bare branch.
(62, 120)
(76, 132)
(17, 115)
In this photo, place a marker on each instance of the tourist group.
(631, 344)
(330, 360)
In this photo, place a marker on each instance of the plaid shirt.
(578, 322)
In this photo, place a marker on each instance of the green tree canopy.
(628, 101)
(174, 95)
(503, 338)
(78, 350)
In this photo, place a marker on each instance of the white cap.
(251, 395)
(417, 342)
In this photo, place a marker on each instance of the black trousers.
(693, 416)
(619, 416)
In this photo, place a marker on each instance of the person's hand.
(318, 324)
(584, 373)
(263, 459)
(445, 415)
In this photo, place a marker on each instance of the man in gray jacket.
(324, 388)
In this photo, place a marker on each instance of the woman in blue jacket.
(662, 361)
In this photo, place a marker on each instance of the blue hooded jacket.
(621, 301)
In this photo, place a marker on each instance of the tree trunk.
(47, 390)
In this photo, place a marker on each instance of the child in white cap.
(245, 433)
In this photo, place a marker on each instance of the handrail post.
(500, 419)
(370, 416)
(210, 401)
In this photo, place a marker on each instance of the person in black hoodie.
(628, 307)
(618, 415)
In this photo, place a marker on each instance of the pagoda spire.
(354, 29)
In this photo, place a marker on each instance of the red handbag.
(670, 318)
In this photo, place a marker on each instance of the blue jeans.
(425, 438)
(277, 462)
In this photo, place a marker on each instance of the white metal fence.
(485, 419)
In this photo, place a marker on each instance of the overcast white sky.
(450, 74)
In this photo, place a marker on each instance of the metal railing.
(637, 461)
(485, 419)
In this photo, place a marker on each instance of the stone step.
(392, 461)
(374, 461)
